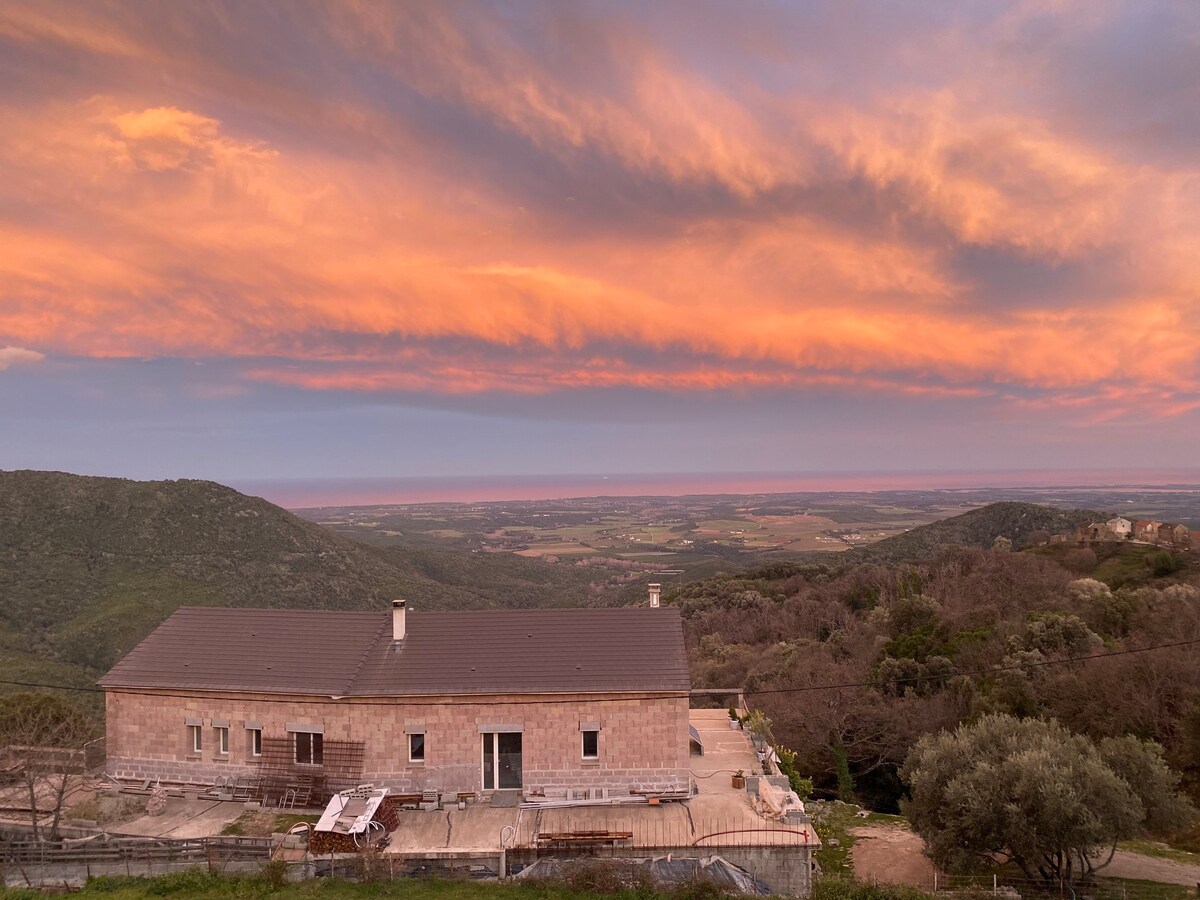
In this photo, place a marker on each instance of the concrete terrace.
(718, 816)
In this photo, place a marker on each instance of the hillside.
(88, 566)
(854, 658)
(977, 528)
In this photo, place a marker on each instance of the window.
(195, 739)
(222, 739)
(310, 748)
(416, 748)
(591, 744)
(255, 741)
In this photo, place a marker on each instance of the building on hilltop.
(1120, 526)
(317, 701)
(1146, 530)
(1181, 537)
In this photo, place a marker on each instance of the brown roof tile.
(352, 653)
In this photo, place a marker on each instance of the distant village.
(1142, 531)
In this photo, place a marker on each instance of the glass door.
(508, 760)
(501, 760)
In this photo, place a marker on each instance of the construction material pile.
(355, 820)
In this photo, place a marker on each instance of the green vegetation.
(92, 565)
(1161, 851)
(1076, 799)
(912, 648)
(845, 889)
(833, 821)
(201, 885)
(978, 528)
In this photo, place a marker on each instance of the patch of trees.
(1032, 793)
(904, 650)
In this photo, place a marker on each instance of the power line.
(788, 690)
(975, 672)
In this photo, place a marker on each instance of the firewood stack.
(322, 842)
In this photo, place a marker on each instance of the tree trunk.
(59, 800)
(31, 783)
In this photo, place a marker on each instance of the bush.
(274, 874)
(1162, 564)
(787, 765)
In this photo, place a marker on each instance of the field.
(691, 535)
(670, 532)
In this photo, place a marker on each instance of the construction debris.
(355, 820)
(584, 837)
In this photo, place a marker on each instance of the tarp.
(663, 870)
(775, 802)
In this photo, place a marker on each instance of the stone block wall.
(643, 740)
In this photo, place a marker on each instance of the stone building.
(313, 701)
(1120, 526)
(1181, 537)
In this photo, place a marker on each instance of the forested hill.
(855, 659)
(89, 566)
(977, 528)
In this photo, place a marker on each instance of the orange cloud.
(787, 241)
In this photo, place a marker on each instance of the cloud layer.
(998, 202)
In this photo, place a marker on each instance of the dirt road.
(1151, 868)
(892, 854)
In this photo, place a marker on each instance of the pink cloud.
(207, 215)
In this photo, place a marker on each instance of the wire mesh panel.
(281, 780)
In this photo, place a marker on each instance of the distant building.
(1181, 537)
(1120, 526)
(1146, 530)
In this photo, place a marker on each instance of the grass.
(1135, 889)
(263, 823)
(205, 886)
(833, 820)
(844, 889)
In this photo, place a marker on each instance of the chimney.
(397, 620)
(655, 593)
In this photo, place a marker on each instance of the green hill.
(977, 528)
(89, 566)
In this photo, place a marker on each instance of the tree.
(1034, 794)
(42, 739)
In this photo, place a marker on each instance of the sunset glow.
(547, 222)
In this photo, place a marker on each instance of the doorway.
(501, 760)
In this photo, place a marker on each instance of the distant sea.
(308, 493)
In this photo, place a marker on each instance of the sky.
(253, 241)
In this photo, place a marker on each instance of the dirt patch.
(1149, 868)
(890, 854)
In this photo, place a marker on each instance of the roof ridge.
(362, 660)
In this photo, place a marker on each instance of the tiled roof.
(352, 653)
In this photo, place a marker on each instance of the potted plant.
(739, 780)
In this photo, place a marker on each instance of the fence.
(1097, 888)
(33, 863)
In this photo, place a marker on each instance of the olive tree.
(1035, 794)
